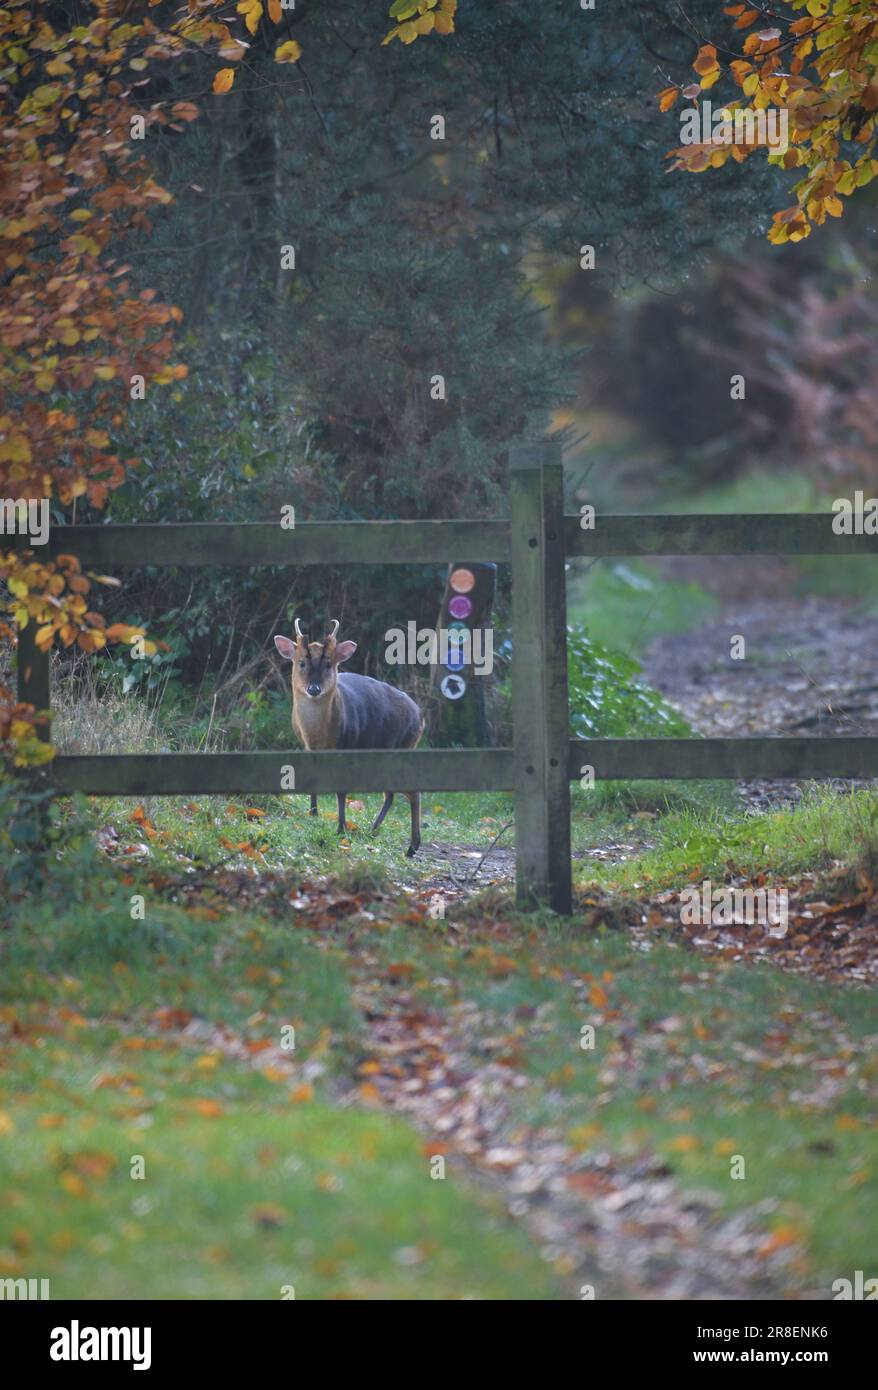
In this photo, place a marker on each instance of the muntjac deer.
(341, 710)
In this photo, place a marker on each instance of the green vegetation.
(828, 829)
(251, 1183)
(161, 1036)
(625, 605)
(753, 491)
(694, 1060)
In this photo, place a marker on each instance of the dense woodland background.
(413, 256)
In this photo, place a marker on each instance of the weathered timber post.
(34, 688)
(539, 678)
(33, 675)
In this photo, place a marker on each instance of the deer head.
(315, 664)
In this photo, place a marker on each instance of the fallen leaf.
(211, 1109)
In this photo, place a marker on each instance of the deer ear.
(345, 650)
(286, 646)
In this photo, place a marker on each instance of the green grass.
(828, 828)
(694, 1061)
(626, 604)
(201, 833)
(277, 832)
(264, 1194)
(249, 1188)
(162, 1038)
(672, 831)
(752, 492)
(240, 972)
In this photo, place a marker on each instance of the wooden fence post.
(34, 688)
(33, 675)
(539, 678)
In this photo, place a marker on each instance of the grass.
(240, 1201)
(854, 578)
(161, 1036)
(627, 604)
(757, 491)
(244, 974)
(830, 827)
(161, 1041)
(694, 1061)
(277, 832)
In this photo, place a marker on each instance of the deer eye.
(301, 665)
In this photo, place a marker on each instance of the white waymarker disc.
(452, 687)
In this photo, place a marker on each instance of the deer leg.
(414, 799)
(388, 802)
(313, 810)
(341, 828)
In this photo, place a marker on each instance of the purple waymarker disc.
(460, 607)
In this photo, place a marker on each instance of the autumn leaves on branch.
(79, 339)
(822, 70)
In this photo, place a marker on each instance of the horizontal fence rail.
(200, 774)
(643, 759)
(184, 545)
(536, 541)
(267, 543)
(783, 533)
(462, 769)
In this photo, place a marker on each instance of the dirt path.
(621, 1228)
(457, 871)
(626, 1227)
(810, 668)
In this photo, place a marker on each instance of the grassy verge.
(143, 1014)
(159, 1140)
(274, 832)
(695, 1062)
(831, 830)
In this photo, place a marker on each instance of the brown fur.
(317, 719)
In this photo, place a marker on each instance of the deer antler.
(335, 627)
(299, 632)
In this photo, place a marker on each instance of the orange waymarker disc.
(462, 581)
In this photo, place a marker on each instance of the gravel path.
(612, 1228)
(810, 668)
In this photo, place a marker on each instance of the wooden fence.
(536, 541)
